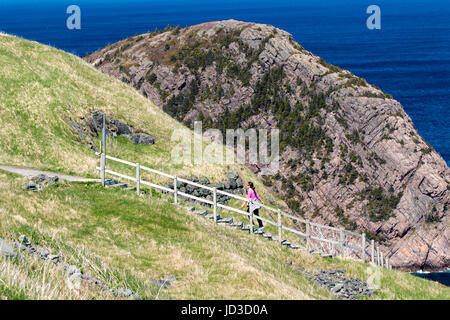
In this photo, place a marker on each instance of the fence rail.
(374, 255)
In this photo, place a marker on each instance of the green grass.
(41, 87)
(140, 238)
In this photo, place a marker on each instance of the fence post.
(308, 235)
(378, 256)
(372, 251)
(103, 168)
(381, 258)
(280, 227)
(215, 204)
(387, 263)
(341, 242)
(175, 189)
(104, 135)
(251, 220)
(138, 179)
(363, 247)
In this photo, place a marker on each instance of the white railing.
(320, 238)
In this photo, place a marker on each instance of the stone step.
(225, 221)
(276, 238)
(110, 182)
(267, 235)
(118, 185)
(201, 212)
(131, 189)
(211, 216)
(238, 224)
(296, 246)
(258, 232)
(190, 209)
(286, 243)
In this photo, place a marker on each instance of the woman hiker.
(253, 204)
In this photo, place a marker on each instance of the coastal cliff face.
(350, 155)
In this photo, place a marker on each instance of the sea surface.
(409, 57)
(442, 277)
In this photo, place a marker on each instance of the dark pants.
(256, 213)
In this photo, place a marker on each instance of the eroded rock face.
(350, 154)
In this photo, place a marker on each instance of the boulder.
(232, 175)
(30, 186)
(233, 183)
(121, 128)
(7, 250)
(142, 138)
(218, 186)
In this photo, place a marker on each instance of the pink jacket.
(252, 195)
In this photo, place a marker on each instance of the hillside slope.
(120, 238)
(127, 241)
(350, 154)
(43, 90)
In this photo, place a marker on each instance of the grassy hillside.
(137, 239)
(122, 239)
(41, 87)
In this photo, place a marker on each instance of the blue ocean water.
(408, 58)
(442, 277)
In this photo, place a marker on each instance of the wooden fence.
(320, 238)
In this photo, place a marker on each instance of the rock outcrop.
(350, 155)
(233, 185)
(92, 125)
(39, 182)
(338, 284)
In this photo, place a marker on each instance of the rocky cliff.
(350, 155)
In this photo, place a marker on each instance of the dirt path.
(32, 172)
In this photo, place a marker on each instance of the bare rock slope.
(350, 155)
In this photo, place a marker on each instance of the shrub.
(380, 203)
